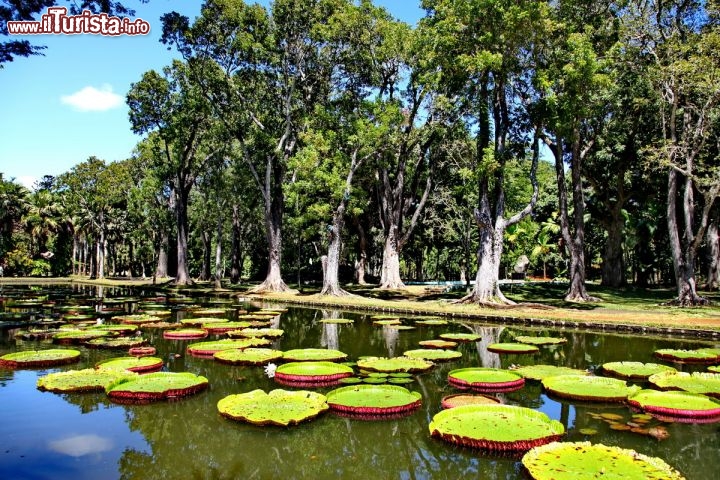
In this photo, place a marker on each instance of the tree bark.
(235, 247)
(361, 262)
(613, 267)
(218, 254)
(182, 276)
(390, 270)
(331, 265)
(713, 243)
(161, 270)
(206, 246)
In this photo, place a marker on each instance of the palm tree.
(42, 218)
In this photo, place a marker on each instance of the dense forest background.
(325, 141)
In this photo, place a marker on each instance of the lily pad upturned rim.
(675, 403)
(314, 355)
(538, 372)
(635, 466)
(81, 381)
(433, 354)
(248, 356)
(185, 334)
(706, 383)
(687, 356)
(540, 340)
(366, 399)
(210, 348)
(137, 319)
(40, 358)
(500, 428)
(461, 337)
(278, 407)
(510, 347)
(437, 343)
(115, 343)
(156, 386)
(312, 372)
(485, 379)
(132, 364)
(460, 399)
(589, 388)
(395, 364)
(339, 321)
(635, 370)
(144, 351)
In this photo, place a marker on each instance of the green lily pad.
(137, 319)
(676, 404)
(145, 351)
(540, 340)
(156, 386)
(485, 379)
(501, 428)
(210, 312)
(185, 334)
(460, 337)
(158, 325)
(512, 348)
(79, 317)
(231, 328)
(211, 348)
(311, 372)
(437, 344)
(248, 356)
(433, 354)
(636, 370)
(431, 322)
(111, 343)
(375, 380)
(79, 336)
(384, 323)
(698, 382)
(120, 329)
(714, 368)
(585, 461)
(400, 381)
(39, 358)
(396, 364)
(589, 388)
(688, 356)
(350, 380)
(337, 320)
(261, 332)
(200, 321)
(87, 380)
(462, 399)
(132, 364)
(279, 407)
(314, 355)
(373, 399)
(538, 372)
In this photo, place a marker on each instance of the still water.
(85, 436)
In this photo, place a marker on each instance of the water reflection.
(80, 445)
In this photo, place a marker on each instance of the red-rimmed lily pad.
(433, 354)
(185, 334)
(159, 325)
(119, 329)
(279, 407)
(259, 332)
(113, 343)
(586, 461)
(311, 372)
(314, 355)
(460, 337)
(462, 399)
(699, 382)
(87, 380)
(589, 388)
(700, 355)
(509, 347)
(395, 364)
(445, 344)
(635, 370)
(211, 348)
(210, 312)
(137, 319)
(540, 340)
(248, 356)
(676, 404)
(79, 336)
(39, 358)
(231, 328)
(201, 321)
(337, 320)
(373, 400)
(145, 351)
(538, 372)
(486, 379)
(499, 428)
(156, 386)
(132, 364)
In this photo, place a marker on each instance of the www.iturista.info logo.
(57, 21)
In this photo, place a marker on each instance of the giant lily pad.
(260, 332)
(111, 343)
(185, 334)
(211, 348)
(698, 382)
(156, 386)
(433, 354)
(210, 312)
(396, 364)
(501, 428)
(589, 388)
(119, 329)
(198, 321)
(279, 407)
(538, 372)
(311, 372)
(79, 336)
(437, 344)
(248, 356)
(688, 356)
(461, 399)
(132, 364)
(540, 340)
(512, 348)
(585, 461)
(87, 380)
(486, 379)
(373, 399)
(337, 320)
(676, 404)
(137, 319)
(637, 370)
(39, 358)
(314, 355)
(226, 327)
(460, 337)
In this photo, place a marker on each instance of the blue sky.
(61, 108)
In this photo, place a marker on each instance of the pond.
(86, 436)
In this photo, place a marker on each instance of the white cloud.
(90, 99)
(26, 181)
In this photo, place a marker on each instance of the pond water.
(86, 436)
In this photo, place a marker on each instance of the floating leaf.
(211, 348)
(540, 340)
(87, 380)
(396, 364)
(636, 370)
(433, 354)
(248, 356)
(185, 334)
(156, 386)
(461, 399)
(588, 388)
(279, 407)
(373, 399)
(512, 348)
(486, 379)
(460, 337)
(676, 404)
(698, 382)
(689, 356)
(312, 372)
(39, 358)
(315, 355)
(132, 364)
(538, 372)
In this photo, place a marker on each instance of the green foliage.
(18, 262)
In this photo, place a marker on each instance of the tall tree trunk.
(131, 259)
(361, 262)
(613, 267)
(75, 256)
(331, 282)
(713, 242)
(235, 247)
(182, 276)
(161, 270)
(218, 254)
(390, 270)
(206, 246)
